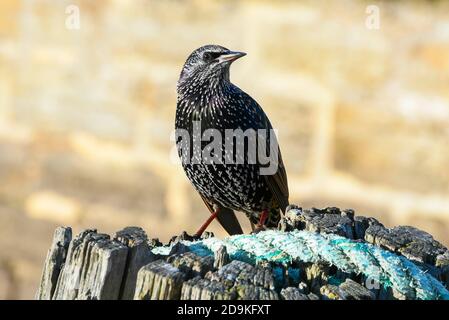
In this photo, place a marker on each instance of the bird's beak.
(230, 56)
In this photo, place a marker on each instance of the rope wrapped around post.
(314, 254)
(285, 249)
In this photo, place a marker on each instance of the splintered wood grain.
(53, 263)
(159, 280)
(93, 270)
(139, 255)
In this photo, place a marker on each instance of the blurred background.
(88, 96)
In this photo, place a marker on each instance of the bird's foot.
(258, 229)
(262, 219)
(206, 224)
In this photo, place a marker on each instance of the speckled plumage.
(206, 94)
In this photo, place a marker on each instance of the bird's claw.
(258, 229)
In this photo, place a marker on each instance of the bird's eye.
(208, 56)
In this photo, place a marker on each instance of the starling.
(206, 96)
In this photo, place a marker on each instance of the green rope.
(285, 248)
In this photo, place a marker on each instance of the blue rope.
(285, 248)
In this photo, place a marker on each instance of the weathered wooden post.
(315, 254)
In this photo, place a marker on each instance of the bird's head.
(208, 65)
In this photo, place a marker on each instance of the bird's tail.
(229, 222)
(274, 216)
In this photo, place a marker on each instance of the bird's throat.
(202, 84)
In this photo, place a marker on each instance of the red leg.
(207, 223)
(263, 218)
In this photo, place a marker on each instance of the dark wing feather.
(227, 218)
(278, 184)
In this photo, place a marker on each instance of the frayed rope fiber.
(350, 256)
